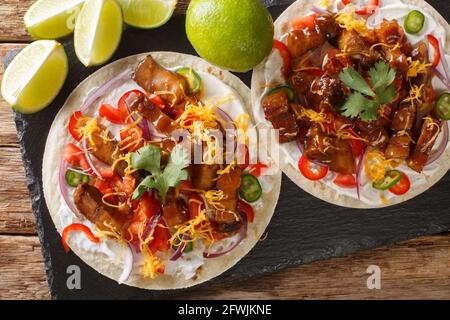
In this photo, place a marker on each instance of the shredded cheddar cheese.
(106, 196)
(127, 159)
(197, 228)
(90, 127)
(406, 133)
(348, 21)
(416, 93)
(214, 197)
(416, 67)
(151, 263)
(228, 168)
(376, 165)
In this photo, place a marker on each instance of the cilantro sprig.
(148, 158)
(365, 100)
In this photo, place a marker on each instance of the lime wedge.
(35, 76)
(52, 19)
(147, 14)
(98, 31)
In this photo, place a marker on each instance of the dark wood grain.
(13, 11)
(414, 269)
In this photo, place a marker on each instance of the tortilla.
(58, 137)
(318, 189)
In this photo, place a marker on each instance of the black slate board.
(303, 229)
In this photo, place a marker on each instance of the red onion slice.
(359, 171)
(444, 60)
(441, 149)
(153, 222)
(441, 77)
(225, 118)
(300, 146)
(242, 235)
(127, 265)
(179, 252)
(97, 93)
(89, 159)
(64, 190)
(318, 10)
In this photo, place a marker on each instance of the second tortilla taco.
(359, 93)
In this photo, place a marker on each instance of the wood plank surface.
(416, 269)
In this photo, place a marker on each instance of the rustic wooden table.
(414, 269)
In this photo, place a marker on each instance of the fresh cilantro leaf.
(178, 160)
(174, 172)
(147, 183)
(381, 75)
(352, 79)
(386, 95)
(147, 158)
(358, 105)
(365, 101)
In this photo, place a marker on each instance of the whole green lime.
(233, 34)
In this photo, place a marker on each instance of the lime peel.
(147, 14)
(35, 76)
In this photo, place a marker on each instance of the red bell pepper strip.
(310, 170)
(257, 169)
(76, 158)
(436, 46)
(401, 187)
(346, 2)
(247, 209)
(285, 55)
(369, 9)
(195, 205)
(305, 22)
(77, 227)
(77, 120)
(345, 180)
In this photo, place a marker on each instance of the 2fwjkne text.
(231, 309)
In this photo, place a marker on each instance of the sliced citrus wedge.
(147, 14)
(52, 19)
(35, 76)
(98, 31)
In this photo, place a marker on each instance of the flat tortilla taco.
(359, 93)
(123, 183)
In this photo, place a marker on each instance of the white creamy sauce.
(389, 9)
(214, 91)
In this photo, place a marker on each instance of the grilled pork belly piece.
(351, 43)
(342, 160)
(330, 150)
(174, 211)
(162, 122)
(228, 219)
(204, 176)
(374, 133)
(316, 144)
(390, 33)
(153, 78)
(301, 41)
(106, 149)
(278, 112)
(431, 128)
(307, 68)
(88, 201)
(403, 122)
(326, 88)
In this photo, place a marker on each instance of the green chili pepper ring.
(250, 189)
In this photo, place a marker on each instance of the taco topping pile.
(145, 189)
(358, 99)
